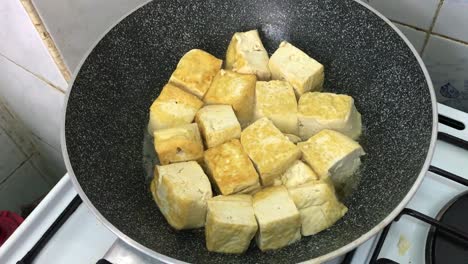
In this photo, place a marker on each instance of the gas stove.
(432, 228)
(409, 239)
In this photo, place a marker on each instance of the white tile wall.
(418, 13)
(416, 37)
(20, 42)
(35, 103)
(15, 129)
(23, 187)
(453, 19)
(31, 100)
(447, 62)
(49, 161)
(17, 156)
(10, 156)
(74, 37)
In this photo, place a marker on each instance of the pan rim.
(338, 252)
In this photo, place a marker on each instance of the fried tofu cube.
(278, 218)
(317, 204)
(230, 223)
(332, 154)
(296, 67)
(271, 152)
(276, 100)
(312, 193)
(173, 107)
(218, 124)
(235, 89)
(246, 54)
(231, 169)
(293, 138)
(182, 143)
(195, 71)
(315, 219)
(319, 111)
(181, 191)
(299, 173)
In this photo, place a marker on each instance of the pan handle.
(103, 261)
(385, 261)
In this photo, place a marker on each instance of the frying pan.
(364, 56)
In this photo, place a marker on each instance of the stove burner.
(448, 228)
(442, 248)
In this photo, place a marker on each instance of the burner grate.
(439, 227)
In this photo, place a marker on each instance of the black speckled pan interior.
(107, 110)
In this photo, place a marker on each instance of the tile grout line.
(29, 155)
(429, 31)
(42, 173)
(431, 27)
(450, 38)
(43, 141)
(15, 143)
(426, 31)
(408, 25)
(17, 126)
(49, 180)
(35, 75)
(16, 169)
(45, 36)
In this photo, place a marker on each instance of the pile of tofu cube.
(254, 149)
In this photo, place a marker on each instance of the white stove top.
(83, 239)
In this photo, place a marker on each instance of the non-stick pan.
(364, 56)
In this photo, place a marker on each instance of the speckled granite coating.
(363, 57)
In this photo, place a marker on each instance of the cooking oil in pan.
(150, 159)
(345, 189)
